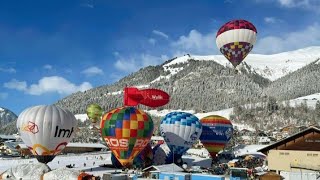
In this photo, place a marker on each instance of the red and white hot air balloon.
(235, 40)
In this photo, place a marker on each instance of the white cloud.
(313, 5)
(132, 64)
(270, 19)
(152, 41)
(294, 3)
(48, 84)
(8, 70)
(127, 65)
(289, 41)
(92, 71)
(15, 84)
(159, 33)
(196, 43)
(47, 66)
(3, 95)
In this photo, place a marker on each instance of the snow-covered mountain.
(272, 66)
(209, 83)
(6, 116)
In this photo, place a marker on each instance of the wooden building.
(299, 152)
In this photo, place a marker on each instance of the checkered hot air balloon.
(235, 40)
(216, 133)
(126, 131)
(180, 131)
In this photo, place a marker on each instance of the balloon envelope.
(180, 130)
(46, 130)
(94, 112)
(148, 97)
(216, 133)
(126, 131)
(235, 40)
(142, 160)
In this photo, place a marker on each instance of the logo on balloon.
(228, 133)
(31, 127)
(124, 143)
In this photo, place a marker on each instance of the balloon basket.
(45, 159)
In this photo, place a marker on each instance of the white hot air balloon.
(180, 131)
(46, 130)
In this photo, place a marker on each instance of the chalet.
(4, 138)
(299, 152)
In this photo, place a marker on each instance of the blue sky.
(50, 49)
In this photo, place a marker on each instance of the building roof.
(165, 168)
(87, 145)
(3, 136)
(80, 145)
(290, 138)
(11, 145)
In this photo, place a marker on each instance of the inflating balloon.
(126, 131)
(216, 133)
(180, 131)
(94, 112)
(235, 40)
(46, 130)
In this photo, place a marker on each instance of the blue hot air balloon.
(180, 131)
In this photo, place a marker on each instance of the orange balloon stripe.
(204, 121)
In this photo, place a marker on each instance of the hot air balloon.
(180, 130)
(148, 97)
(94, 112)
(235, 40)
(142, 160)
(46, 130)
(216, 133)
(126, 131)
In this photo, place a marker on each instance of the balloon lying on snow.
(235, 40)
(147, 97)
(126, 131)
(216, 133)
(46, 130)
(180, 131)
(94, 112)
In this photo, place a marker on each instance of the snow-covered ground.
(310, 100)
(90, 162)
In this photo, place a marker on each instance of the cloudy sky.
(50, 49)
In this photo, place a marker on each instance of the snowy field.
(89, 162)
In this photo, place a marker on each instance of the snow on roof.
(89, 145)
(249, 149)
(3, 136)
(166, 168)
(82, 145)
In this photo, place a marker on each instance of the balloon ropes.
(235, 39)
(46, 130)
